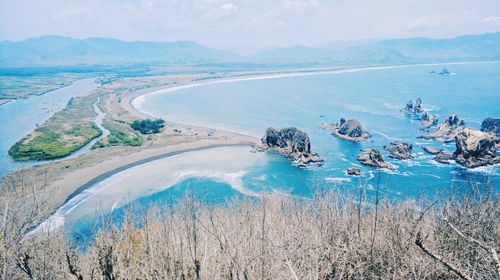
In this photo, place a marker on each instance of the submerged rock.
(349, 130)
(432, 150)
(373, 157)
(491, 125)
(292, 143)
(476, 148)
(399, 150)
(427, 120)
(353, 171)
(446, 131)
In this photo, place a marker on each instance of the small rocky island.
(353, 171)
(373, 157)
(399, 150)
(446, 131)
(292, 143)
(349, 130)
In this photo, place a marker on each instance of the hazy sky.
(247, 25)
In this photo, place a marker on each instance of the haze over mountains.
(47, 51)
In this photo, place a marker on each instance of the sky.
(246, 26)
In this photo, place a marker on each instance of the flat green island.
(67, 131)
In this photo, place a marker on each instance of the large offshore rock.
(373, 157)
(476, 148)
(349, 130)
(491, 125)
(446, 131)
(399, 150)
(292, 143)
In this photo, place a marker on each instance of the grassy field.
(120, 134)
(67, 131)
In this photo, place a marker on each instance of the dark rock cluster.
(292, 143)
(373, 157)
(347, 129)
(353, 171)
(399, 150)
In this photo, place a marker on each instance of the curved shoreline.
(136, 101)
(112, 172)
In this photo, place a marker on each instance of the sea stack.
(427, 119)
(411, 108)
(292, 143)
(349, 130)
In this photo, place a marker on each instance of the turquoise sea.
(373, 96)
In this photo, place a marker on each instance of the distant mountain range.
(48, 51)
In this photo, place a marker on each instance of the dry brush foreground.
(327, 236)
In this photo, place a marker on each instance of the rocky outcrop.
(413, 108)
(427, 120)
(491, 125)
(446, 131)
(353, 171)
(476, 148)
(444, 157)
(373, 157)
(349, 130)
(432, 150)
(292, 143)
(399, 150)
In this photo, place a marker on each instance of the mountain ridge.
(55, 50)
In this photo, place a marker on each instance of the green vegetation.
(49, 143)
(148, 126)
(24, 86)
(120, 134)
(67, 131)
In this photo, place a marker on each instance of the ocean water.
(19, 118)
(373, 96)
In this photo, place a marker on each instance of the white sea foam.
(338, 180)
(152, 177)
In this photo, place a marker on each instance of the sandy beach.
(67, 178)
